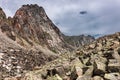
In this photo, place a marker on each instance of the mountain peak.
(32, 6)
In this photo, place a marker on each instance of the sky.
(102, 16)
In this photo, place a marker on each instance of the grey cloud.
(102, 15)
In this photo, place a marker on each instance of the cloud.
(102, 15)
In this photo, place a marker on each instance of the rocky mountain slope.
(28, 41)
(78, 41)
(99, 60)
(30, 26)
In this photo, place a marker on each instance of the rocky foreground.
(98, 61)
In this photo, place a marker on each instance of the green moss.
(54, 51)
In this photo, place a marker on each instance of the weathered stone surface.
(114, 62)
(89, 71)
(97, 78)
(112, 76)
(92, 46)
(84, 78)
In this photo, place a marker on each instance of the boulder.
(97, 78)
(92, 46)
(84, 78)
(89, 71)
(112, 76)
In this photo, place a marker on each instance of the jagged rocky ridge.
(99, 60)
(31, 26)
(78, 41)
(28, 40)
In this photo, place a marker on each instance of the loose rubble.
(98, 61)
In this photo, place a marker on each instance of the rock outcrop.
(99, 60)
(30, 26)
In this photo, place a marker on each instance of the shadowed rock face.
(2, 14)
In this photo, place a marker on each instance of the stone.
(58, 77)
(99, 46)
(116, 55)
(111, 76)
(118, 49)
(108, 54)
(109, 43)
(100, 62)
(101, 66)
(66, 78)
(13, 78)
(77, 62)
(1, 57)
(76, 72)
(86, 60)
(113, 62)
(92, 46)
(97, 78)
(60, 71)
(100, 53)
(89, 71)
(84, 78)
(79, 71)
(116, 42)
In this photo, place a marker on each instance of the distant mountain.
(97, 35)
(78, 41)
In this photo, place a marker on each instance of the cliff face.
(32, 24)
